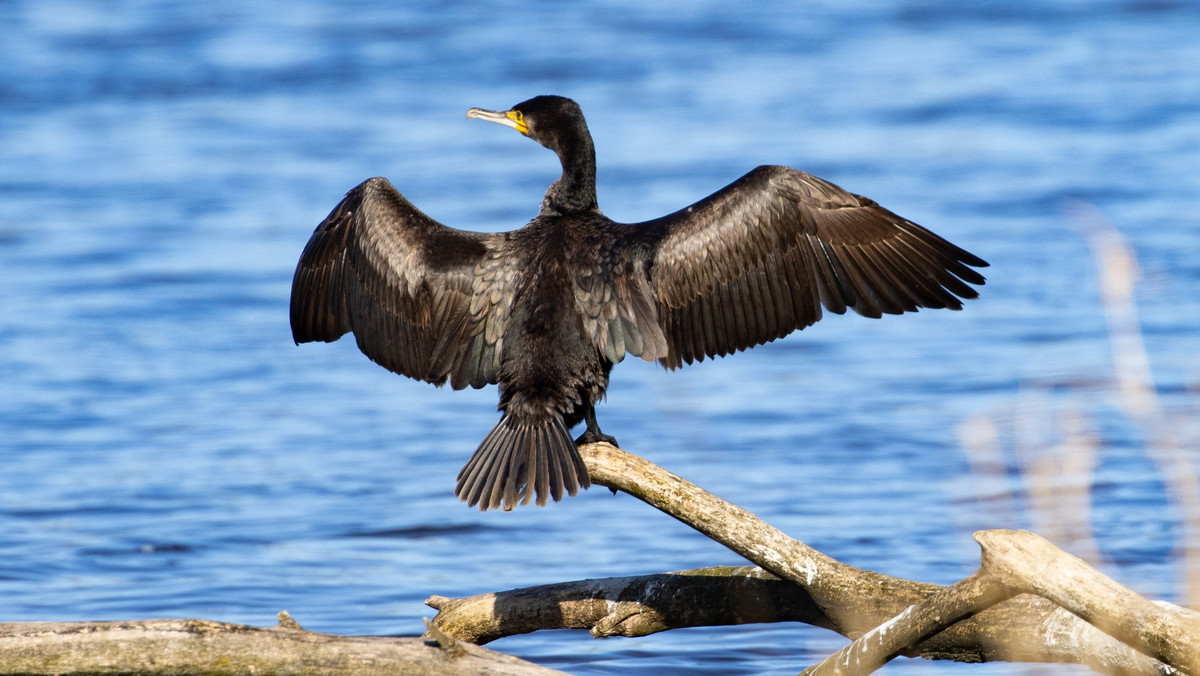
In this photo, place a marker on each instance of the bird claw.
(590, 437)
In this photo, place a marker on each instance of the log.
(914, 625)
(1029, 602)
(630, 606)
(1028, 562)
(148, 647)
(983, 618)
(1160, 636)
(1023, 629)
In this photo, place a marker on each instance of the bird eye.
(518, 121)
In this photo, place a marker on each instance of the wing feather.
(762, 257)
(419, 297)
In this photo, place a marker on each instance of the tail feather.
(482, 463)
(516, 462)
(542, 475)
(511, 494)
(554, 474)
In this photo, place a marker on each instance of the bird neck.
(575, 190)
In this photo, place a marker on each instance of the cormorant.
(545, 311)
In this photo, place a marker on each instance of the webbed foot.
(590, 437)
(593, 434)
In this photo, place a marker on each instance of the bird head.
(555, 122)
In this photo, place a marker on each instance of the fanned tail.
(517, 461)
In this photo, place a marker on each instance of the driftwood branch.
(1029, 602)
(1026, 562)
(204, 647)
(1020, 562)
(914, 625)
(987, 617)
(630, 606)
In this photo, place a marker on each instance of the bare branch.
(910, 628)
(205, 647)
(828, 594)
(756, 540)
(1025, 628)
(1019, 561)
(887, 616)
(1028, 562)
(630, 606)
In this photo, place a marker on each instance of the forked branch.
(1025, 604)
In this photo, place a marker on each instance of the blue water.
(166, 451)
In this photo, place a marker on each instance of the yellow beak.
(508, 118)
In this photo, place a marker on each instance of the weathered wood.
(150, 647)
(1019, 561)
(757, 541)
(1025, 604)
(914, 625)
(1028, 562)
(1025, 628)
(824, 592)
(630, 606)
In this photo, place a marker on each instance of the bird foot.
(590, 437)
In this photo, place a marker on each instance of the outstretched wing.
(421, 298)
(758, 259)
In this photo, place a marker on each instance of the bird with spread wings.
(545, 311)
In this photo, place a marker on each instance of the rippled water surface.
(166, 451)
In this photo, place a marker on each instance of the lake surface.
(166, 451)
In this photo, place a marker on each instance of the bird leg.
(593, 433)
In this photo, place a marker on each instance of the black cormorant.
(545, 311)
